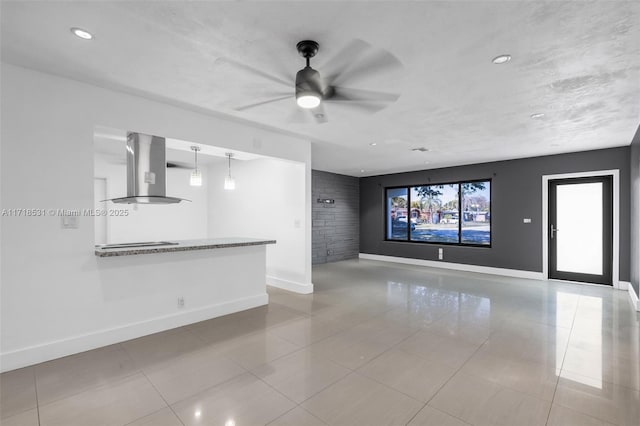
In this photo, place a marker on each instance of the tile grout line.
(379, 355)
(35, 388)
(93, 387)
(288, 411)
(553, 398)
(202, 390)
(161, 396)
(351, 371)
(445, 384)
(276, 390)
(316, 393)
(357, 370)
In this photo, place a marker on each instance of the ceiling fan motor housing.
(308, 83)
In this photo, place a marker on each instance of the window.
(451, 213)
(397, 202)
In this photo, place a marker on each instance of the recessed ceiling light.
(537, 115)
(361, 170)
(83, 34)
(427, 162)
(373, 144)
(421, 149)
(501, 59)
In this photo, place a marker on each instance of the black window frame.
(459, 243)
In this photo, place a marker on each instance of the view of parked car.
(400, 222)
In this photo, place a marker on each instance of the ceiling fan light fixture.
(308, 88)
(308, 101)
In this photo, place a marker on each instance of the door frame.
(615, 173)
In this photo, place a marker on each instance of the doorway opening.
(581, 227)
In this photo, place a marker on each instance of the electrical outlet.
(526, 220)
(328, 252)
(440, 254)
(180, 302)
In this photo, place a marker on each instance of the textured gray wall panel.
(335, 227)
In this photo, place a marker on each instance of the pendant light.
(196, 174)
(229, 182)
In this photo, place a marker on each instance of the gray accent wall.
(336, 227)
(635, 212)
(516, 194)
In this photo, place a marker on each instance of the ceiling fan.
(313, 91)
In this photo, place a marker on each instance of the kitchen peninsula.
(187, 281)
(127, 249)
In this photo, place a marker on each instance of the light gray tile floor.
(376, 344)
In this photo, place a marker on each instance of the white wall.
(269, 202)
(153, 222)
(52, 290)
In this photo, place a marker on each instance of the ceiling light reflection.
(83, 34)
(588, 311)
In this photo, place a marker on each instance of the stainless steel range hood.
(146, 171)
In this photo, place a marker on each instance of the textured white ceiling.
(576, 62)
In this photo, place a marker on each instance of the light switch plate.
(70, 222)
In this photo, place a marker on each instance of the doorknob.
(553, 231)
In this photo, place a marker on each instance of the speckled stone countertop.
(181, 245)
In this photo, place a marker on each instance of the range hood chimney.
(146, 171)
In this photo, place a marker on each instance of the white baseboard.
(455, 266)
(634, 298)
(80, 343)
(294, 286)
(622, 285)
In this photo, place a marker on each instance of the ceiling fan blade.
(174, 165)
(307, 116)
(298, 116)
(376, 61)
(343, 60)
(254, 71)
(364, 106)
(360, 95)
(257, 104)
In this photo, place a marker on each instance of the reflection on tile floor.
(376, 344)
